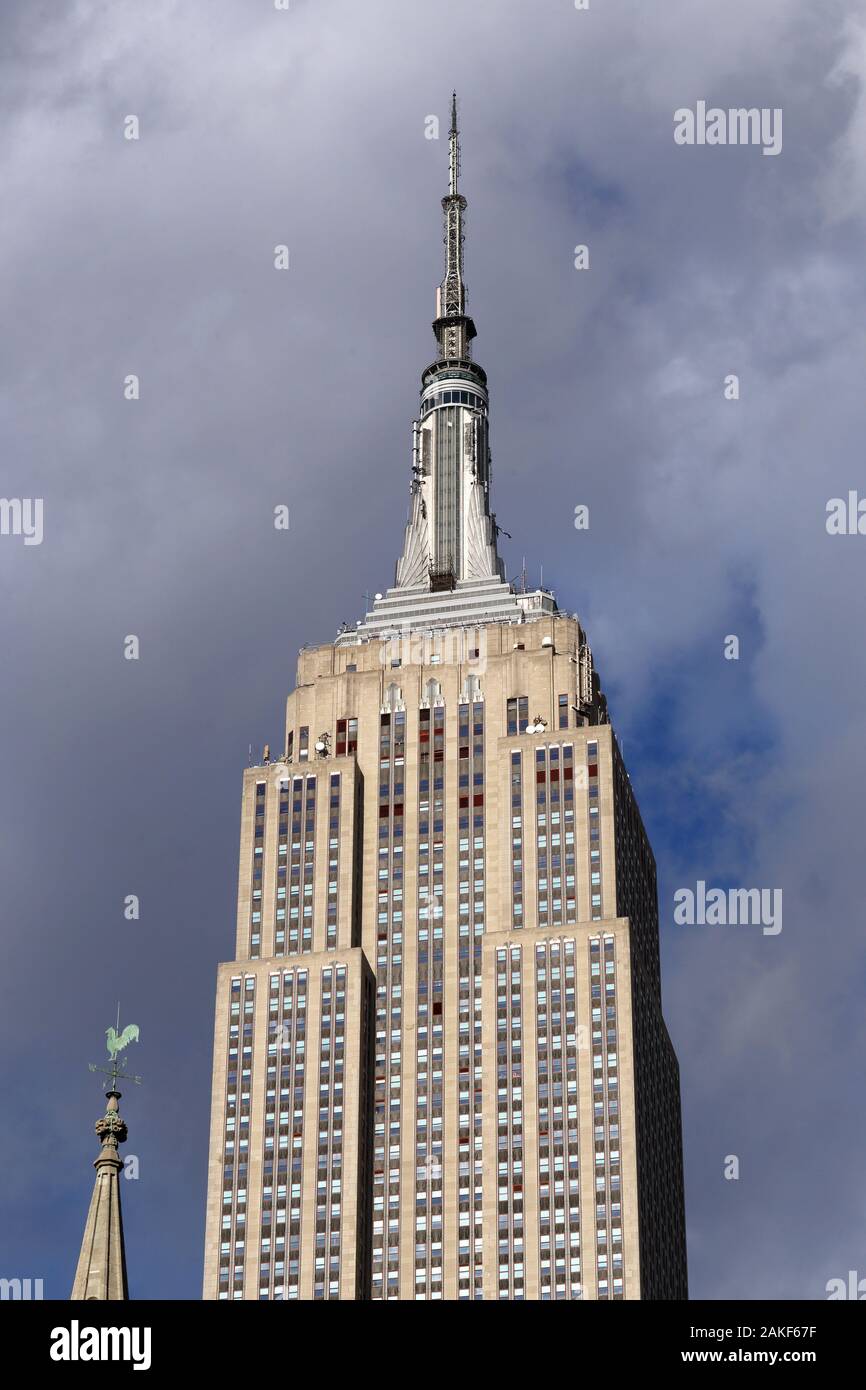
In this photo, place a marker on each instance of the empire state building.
(441, 1069)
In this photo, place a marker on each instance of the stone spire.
(101, 1271)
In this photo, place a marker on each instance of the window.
(518, 714)
(347, 737)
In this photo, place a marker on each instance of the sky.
(308, 128)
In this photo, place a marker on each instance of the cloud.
(257, 388)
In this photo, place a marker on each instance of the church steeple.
(101, 1271)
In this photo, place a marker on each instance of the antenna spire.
(453, 327)
(453, 148)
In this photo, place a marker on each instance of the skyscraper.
(441, 1068)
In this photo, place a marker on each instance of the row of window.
(236, 1137)
(429, 1022)
(509, 1107)
(329, 1170)
(558, 1121)
(389, 1010)
(346, 741)
(283, 1157)
(295, 810)
(453, 397)
(605, 1096)
(472, 890)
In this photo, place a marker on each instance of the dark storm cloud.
(155, 257)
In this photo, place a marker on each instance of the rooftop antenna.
(453, 147)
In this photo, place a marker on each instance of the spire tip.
(454, 147)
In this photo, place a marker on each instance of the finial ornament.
(111, 1127)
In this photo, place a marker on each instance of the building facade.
(440, 1067)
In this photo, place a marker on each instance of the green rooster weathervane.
(116, 1042)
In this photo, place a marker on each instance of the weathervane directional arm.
(116, 1074)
